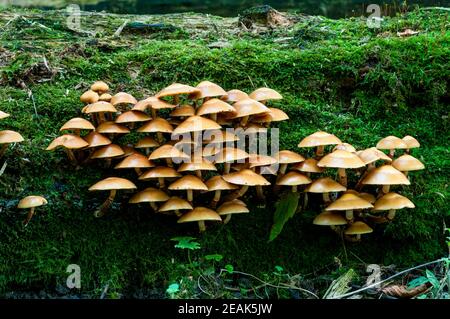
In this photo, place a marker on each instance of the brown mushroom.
(108, 152)
(169, 153)
(76, 125)
(197, 166)
(213, 107)
(132, 117)
(100, 87)
(160, 173)
(208, 90)
(183, 111)
(69, 142)
(411, 142)
(285, 158)
(175, 90)
(357, 229)
(136, 161)
(149, 195)
(98, 110)
(158, 126)
(105, 97)
(189, 183)
(331, 219)
(245, 178)
(407, 163)
(217, 184)
(146, 143)
(200, 215)
(392, 202)
(31, 202)
(320, 140)
(391, 143)
(293, 179)
(308, 166)
(386, 176)
(89, 97)
(349, 202)
(246, 108)
(341, 160)
(8, 137)
(264, 94)
(235, 96)
(229, 208)
(123, 99)
(175, 204)
(325, 185)
(274, 115)
(229, 155)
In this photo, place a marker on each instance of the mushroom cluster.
(7, 136)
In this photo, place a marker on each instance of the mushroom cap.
(96, 139)
(77, 123)
(199, 214)
(106, 97)
(132, 116)
(8, 137)
(249, 107)
(392, 201)
(158, 104)
(230, 154)
(371, 155)
(128, 150)
(68, 141)
(196, 124)
(177, 89)
(188, 182)
(246, 177)
(214, 106)
(293, 178)
(218, 136)
(32, 201)
(110, 127)
(229, 208)
(175, 203)
(358, 228)
(209, 89)
(264, 94)
(159, 172)
(185, 110)
(319, 138)
(288, 157)
(329, 219)
(407, 163)
(274, 115)
(325, 185)
(100, 86)
(211, 150)
(385, 175)
(167, 151)
(135, 160)
(149, 195)
(123, 98)
(100, 107)
(256, 160)
(89, 97)
(217, 183)
(368, 197)
(341, 159)
(345, 147)
(112, 183)
(309, 166)
(235, 96)
(349, 201)
(156, 125)
(146, 142)
(3, 115)
(197, 165)
(390, 143)
(411, 142)
(108, 151)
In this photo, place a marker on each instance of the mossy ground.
(335, 75)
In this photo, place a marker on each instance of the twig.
(30, 95)
(105, 290)
(120, 29)
(2, 170)
(387, 279)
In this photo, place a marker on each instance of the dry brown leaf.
(400, 291)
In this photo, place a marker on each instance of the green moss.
(335, 75)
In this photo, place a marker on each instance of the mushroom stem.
(154, 115)
(154, 207)
(214, 117)
(294, 189)
(391, 214)
(201, 226)
(283, 168)
(3, 149)
(353, 239)
(406, 174)
(161, 182)
(326, 197)
(239, 193)
(384, 190)
(106, 204)
(169, 162)
(305, 200)
(177, 213)
(369, 168)
(349, 215)
(260, 192)
(216, 198)
(71, 156)
(159, 137)
(138, 170)
(176, 99)
(336, 229)
(199, 174)
(320, 150)
(227, 219)
(342, 176)
(190, 195)
(226, 168)
(392, 153)
(244, 121)
(29, 216)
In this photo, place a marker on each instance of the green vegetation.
(335, 75)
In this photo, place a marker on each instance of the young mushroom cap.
(68, 141)
(128, 150)
(100, 86)
(32, 201)
(146, 142)
(230, 154)
(3, 115)
(197, 165)
(100, 107)
(358, 228)
(8, 137)
(411, 142)
(308, 166)
(231, 207)
(368, 197)
(274, 115)
(167, 151)
(218, 136)
(256, 160)
(392, 201)
(135, 160)
(77, 123)
(110, 127)
(407, 163)
(319, 139)
(177, 89)
(246, 177)
(132, 117)
(185, 110)
(325, 185)
(264, 94)
(175, 203)
(199, 214)
(329, 219)
(188, 182)
(209, 89)
(159, 172)
(341, 159)
(249, 107)
(371, 155)
(385, 175)
(214, 106)
(105, 97)
(156, 125)
(112, 183)
(89, 97)
(288, 157)
(293, 178)
(123, 98)
(235, 96)
(349, 202)
(390, 143)
(149, 195)
(108, 151)
(96, 139)
(217, 183)
(157, 104)
(345, 147)
(196, 124)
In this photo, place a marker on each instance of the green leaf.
(186, 243)
(173, 289)
(433, 280)
(215, 257)
(417, 282)
(229, 268)
(285, 210)
(279, 269)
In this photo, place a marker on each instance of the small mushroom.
(112, 129)
(149, 195)
(160, 173)
(246, 108)
(325, 185)
(392, 202)
(341, 160)
(264, 165)
(108, 152)
(229, 208)
(217, 184)
(411, 142)
(274, 115)
(349, 202)
(156, 104)
(136, 161)
(168, 152)
(208, 90)
(369, 157)
(229, 155)
(197, 166)
(70, 143)
(158, 126)
(235, 96)
(146, 143)
(111, 184)
(264, 94)
(132, 117)
(345, 147)
(123, 100)
(98, 110)
(319, 140)
(213, 107)
(105, 97)
(100, 87)
(357, 229)
(31, 202)
(391, 143)
(189, 183)
(8, 137)
(407, 163)
(175, 204)
(89, 97)
(76, 125)
(95, 139)
(245, 178)
(284, 158)
(293, 179)
(331, 219)
(183, 111)
(308, 166)
(200, 215)
(175, 90)
(386, 176)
